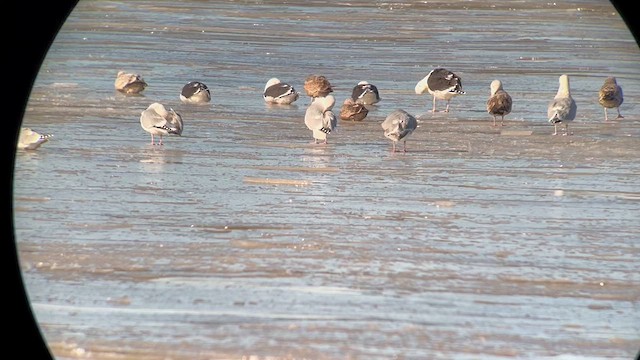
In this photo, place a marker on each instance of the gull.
(31, 140)
(610, 96)
(317, 86)
(398, 126)
(278, 92)
(442, 84)
(320, 119)
(365, 93)
(499, 103)
(195, 92)
(562, 109)
(129, 83)
(353, 111)
(156, 120)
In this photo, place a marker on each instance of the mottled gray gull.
(442, 84)
(320, 119)
(562, 109)
(156, 120)
(499, 103)
(278, 92)
(195, 92)
(398, 126)
(610, 96)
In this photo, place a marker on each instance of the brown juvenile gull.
(31, 140)
(365, 93)
(398, 126)
(278, 92)
(195, 92)
(610, 96)
(352, 111)
(442, 84)
(562, 109)
(499, 103)
(317, 86)
(129, 83)
(320, 119)
(156, 120)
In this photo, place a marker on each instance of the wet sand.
(241, 240)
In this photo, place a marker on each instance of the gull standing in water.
(398, 126)
(156, 120)
(129, 83)
(277, 92)
(442, 84)
(320, 119)
(610, 96)
(562, 109)
(499, 103)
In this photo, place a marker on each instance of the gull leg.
(494, 120)
(152, 143)
(404, 146)
(447, 108)
(619, 116)
(502, 121)
(434, 105)
(606, 118)
(555, 129)
(393, 146)
(160, 143)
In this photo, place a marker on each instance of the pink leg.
(434, 105)
(152, 143)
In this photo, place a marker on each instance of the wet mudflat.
(241, 239)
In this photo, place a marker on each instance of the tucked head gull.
(157, 120)
(129, 83)
(365, 93)
(442, 84)
(278, 92)
(562, 109)
(499, 103)
(353, 111)
(317, 86)
(195, 92)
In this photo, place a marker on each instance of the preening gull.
(130, 83)
(31, 140)
(442, 84)
(499, 103)
(610, 96)
(317, 86)
(398, 126)
(156, 120)
(278, 92)
(352, 111)
(195, 92)
(365, 93)
(562, 109)
(320, 119)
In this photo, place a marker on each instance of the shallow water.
(240, 239)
